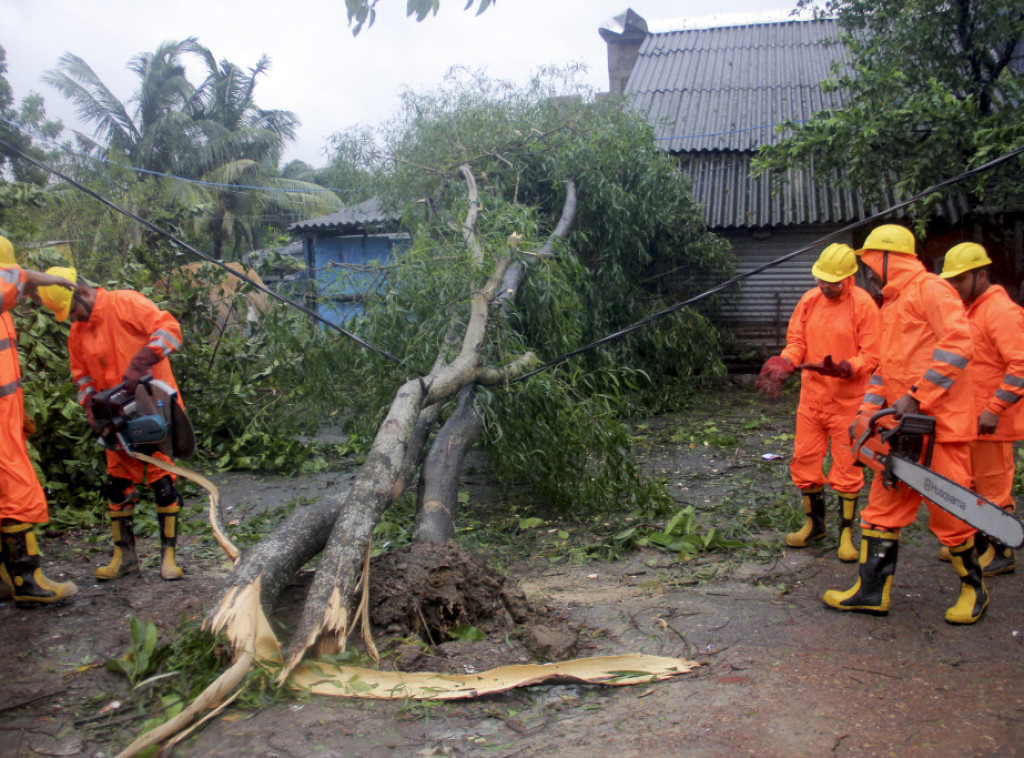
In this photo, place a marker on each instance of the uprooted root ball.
(436, 592)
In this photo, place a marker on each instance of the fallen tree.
(461, 303)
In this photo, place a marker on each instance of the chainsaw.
(145, 421)
(901, 451)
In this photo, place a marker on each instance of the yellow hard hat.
(836, 262)
(964, 257)
(57, 298)
(6, 253)
(892, 238)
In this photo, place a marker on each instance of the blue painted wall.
(338, 284)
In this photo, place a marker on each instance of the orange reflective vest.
(121, 322)
(997, 324)
(926, 347)
(847, 328)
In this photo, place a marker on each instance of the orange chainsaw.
(901, 452)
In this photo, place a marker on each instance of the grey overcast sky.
(329, 78)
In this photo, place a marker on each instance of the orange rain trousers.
(815, 429)
(896, 508)
(21, 495)
(993, 465)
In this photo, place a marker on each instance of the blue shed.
(347, 254)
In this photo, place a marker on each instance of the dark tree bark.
(439, 483)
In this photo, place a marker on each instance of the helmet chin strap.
(974, 286)
(885, 268)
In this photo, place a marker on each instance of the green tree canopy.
(929, 92)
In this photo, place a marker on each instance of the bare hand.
(906, 404)
(987, 422)
(36, 279)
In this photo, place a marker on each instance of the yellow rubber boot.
(6, 585)
(814, 526)
(847, 510)
(973, 599)
(168, 518)
(944, 554)
(29, 585)
(872, 591)
(124, 560)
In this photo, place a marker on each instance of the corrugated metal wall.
(757, 310)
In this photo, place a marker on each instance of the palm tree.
(154, 135)
(214, 133)
(242, 146)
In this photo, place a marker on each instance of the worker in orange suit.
(121, 336)
(833, 337)
(22, 500)
(997, 324)
(925, 351)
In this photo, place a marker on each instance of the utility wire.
(747, 274)
(209, 259)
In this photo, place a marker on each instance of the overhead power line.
(747, 274)
(209, 259)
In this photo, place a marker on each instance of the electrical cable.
(209, 259)
(747, 274)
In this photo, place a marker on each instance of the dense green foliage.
(930, 92)
(636, 223)
(256, 390)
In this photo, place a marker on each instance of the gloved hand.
(827, 367)
(987, 422)
(139, 367)
(774, 372)
(90, 416)
(906, 404)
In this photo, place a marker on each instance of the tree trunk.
(439, 482)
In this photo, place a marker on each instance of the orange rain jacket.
(997, 324)
(21, 495)
(926, 347)
(121, 322)
(847, 328)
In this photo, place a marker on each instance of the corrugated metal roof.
(365, 214)
(725, 89)
(731, 199)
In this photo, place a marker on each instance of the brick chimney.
(623, 35)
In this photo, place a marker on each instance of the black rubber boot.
(872, 591)
(814, 526)
(847, 510)
(20, 553)
(973, 599)
(994, 557)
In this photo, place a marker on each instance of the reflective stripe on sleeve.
(5, 344)
(1006, 396)
(936, 378)
(874, 399)
(944, 356)
(876, 380)
(164, 341)
(1014, 381)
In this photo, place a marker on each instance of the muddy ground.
(781, 675)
